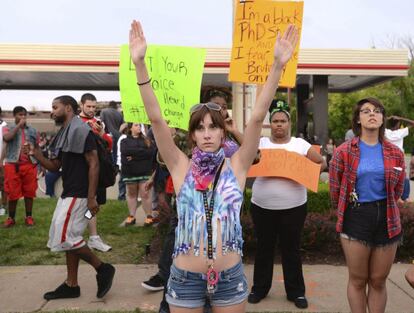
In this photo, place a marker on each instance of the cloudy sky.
(327, 24)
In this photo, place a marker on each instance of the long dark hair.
(356, 124)
(147, 141)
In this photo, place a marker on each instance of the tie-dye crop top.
(228, 199)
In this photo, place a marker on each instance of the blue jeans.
(50, 181)
(189, 289)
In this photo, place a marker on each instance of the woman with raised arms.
(209, 187)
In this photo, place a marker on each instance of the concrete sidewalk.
(22, 289)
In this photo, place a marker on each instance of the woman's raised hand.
(285, 45)
(137, 42)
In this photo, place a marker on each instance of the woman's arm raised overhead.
(283, 51)
(172, 156)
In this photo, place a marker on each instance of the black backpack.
(107, 170)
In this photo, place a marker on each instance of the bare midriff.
(200, 263)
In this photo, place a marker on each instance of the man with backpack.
(74, 149)
(88, 110)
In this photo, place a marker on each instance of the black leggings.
(286, 225)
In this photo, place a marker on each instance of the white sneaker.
(95, 242)
(2, 211)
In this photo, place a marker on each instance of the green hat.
(279, 105)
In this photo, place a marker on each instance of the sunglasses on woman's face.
(210, 105)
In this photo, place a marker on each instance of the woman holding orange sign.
(279, 210)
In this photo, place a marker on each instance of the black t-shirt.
(143, 157)
(75, 170)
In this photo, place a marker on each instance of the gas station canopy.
(91, 67)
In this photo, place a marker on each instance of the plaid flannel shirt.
(343, 174)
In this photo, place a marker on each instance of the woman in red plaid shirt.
(366, 177)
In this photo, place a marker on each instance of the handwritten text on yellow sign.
(256, 26)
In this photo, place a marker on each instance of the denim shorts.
(189, 289)
(366, 222)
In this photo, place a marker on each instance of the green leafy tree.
(396, 95)
(340, 113)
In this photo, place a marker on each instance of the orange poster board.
(282, 163)
(256, 26)
(317, 148)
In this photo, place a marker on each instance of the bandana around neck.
(230, 147)
(204, 166)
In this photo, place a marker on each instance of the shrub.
(320, 241)
(319, 233)
(406, 250)
(319, 201)
(320, 238)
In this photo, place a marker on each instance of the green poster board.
(176, 74)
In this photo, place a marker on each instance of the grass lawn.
(21, 245)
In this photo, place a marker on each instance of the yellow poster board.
(176, 74)
(256, 26)
(282, 163)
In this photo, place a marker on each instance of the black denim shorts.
(366, 222)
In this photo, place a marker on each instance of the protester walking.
(74, 149)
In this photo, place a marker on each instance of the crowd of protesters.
(200, 177)
(366, 182)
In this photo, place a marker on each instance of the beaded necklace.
(212, 275)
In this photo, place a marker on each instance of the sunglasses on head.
(210, 105)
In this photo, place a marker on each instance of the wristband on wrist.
(144, 83)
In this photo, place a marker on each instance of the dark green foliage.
(319, 233)
(396, 95)
(406, 250)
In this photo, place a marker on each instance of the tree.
(396, 95)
